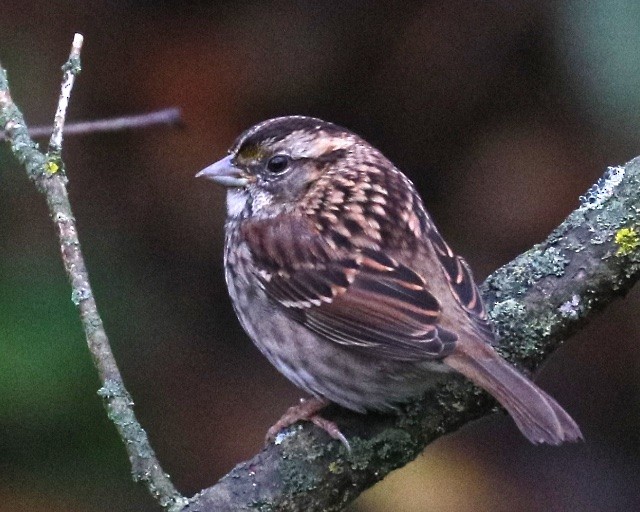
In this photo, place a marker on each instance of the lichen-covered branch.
(47, 172)
(535, 301)
(545, 294)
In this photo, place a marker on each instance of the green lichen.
(297, 478)
(263, 506)
(508, 317)
(295, 474)
(299, 481)
(523, 334)
(515, 279)
(390, 448)
(72, 66)
(456, 398)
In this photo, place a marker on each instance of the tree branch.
(166, 116)
(71, 69)
(47, 172)
(535, 301)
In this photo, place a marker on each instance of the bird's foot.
(307, 410)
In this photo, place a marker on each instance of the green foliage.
(41, 342)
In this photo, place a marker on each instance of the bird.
(338, 274)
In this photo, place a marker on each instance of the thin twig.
(71, 69)
(166, 116)
(47, 172)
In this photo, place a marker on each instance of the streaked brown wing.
(388, 312)
(362, 299)
(462, 283)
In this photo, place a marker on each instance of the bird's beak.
(224, 173)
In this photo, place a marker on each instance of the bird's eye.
(277, 163)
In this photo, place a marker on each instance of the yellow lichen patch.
(335, 468)
(51, 167)
(628, 240)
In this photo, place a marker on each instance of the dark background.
(502, 112)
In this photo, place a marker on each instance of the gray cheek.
(262, 200)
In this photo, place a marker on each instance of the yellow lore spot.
(628, 240)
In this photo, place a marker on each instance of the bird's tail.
(538, 416)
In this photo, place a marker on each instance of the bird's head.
(274, 164)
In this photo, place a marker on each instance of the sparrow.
(339, 276)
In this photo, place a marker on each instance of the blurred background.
(502, 112)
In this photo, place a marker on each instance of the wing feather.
(462, 284)
(362, 299)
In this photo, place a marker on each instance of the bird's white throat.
(236, 201)
(260, 201)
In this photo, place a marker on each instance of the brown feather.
(367, 301)
(537, 415)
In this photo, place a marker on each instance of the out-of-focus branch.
(166, 116)
(47, 172)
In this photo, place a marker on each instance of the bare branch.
(47, 172)
(71, 69)
(166, 116)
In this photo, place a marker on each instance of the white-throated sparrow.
(341, 279)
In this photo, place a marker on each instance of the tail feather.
(538, 416)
